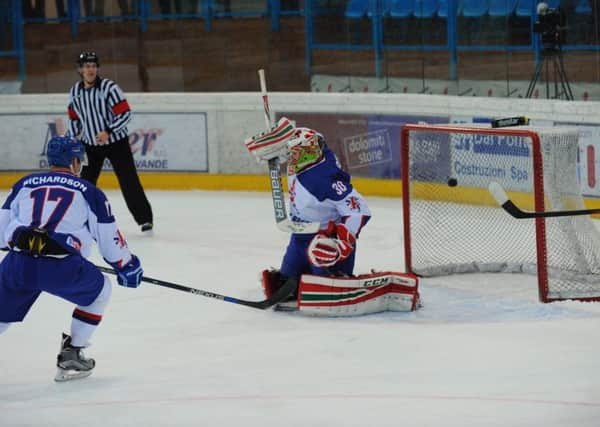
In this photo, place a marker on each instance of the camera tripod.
(551, 55)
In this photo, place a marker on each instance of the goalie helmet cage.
(452, 224)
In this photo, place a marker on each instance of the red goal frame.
(538, 183)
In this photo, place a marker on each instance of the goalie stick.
(288, 287)
(281, 217)
(501, 197)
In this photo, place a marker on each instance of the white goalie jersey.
(323, 193)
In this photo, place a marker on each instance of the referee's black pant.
(121, 158)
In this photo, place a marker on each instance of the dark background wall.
(180, 55)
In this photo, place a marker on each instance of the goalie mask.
(305, 149)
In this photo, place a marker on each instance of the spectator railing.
(147, 10)
(11, 33)
(463, 19)
(457, 24)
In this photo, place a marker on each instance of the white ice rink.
(481, 352)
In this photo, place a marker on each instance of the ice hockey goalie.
(321, 264)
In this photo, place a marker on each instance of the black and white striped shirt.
(101, 107)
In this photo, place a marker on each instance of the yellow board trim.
(366, 186)
(221, 182)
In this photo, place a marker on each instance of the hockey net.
(453, 225)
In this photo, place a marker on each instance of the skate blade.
(64, 375)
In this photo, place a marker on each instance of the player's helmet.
(88, 57)
(62, 150)
(306, 149)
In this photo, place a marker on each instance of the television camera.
(551, 26)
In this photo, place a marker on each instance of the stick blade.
(498, 193)
(505, 203)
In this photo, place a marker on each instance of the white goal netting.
(453, 225)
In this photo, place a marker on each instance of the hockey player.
(48, 224)
(319, 191)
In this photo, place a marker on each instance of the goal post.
(452, 224)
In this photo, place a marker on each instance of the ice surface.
(481, 352)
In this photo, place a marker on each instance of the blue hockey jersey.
(64, 204)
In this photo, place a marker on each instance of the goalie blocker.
(349, 296)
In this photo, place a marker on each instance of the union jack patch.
(353, 203)
(119, 239)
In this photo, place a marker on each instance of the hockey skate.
(71, 363)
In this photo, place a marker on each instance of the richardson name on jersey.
(53, 179)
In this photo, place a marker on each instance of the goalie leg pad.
(271, 280)
(353, 296)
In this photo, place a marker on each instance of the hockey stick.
(281, 217)
(286, 290)
(501, 197)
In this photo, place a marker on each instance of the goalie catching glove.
(273, 143)
(331, 246)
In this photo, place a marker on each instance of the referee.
(98, 115)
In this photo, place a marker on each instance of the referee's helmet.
(85, 57)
